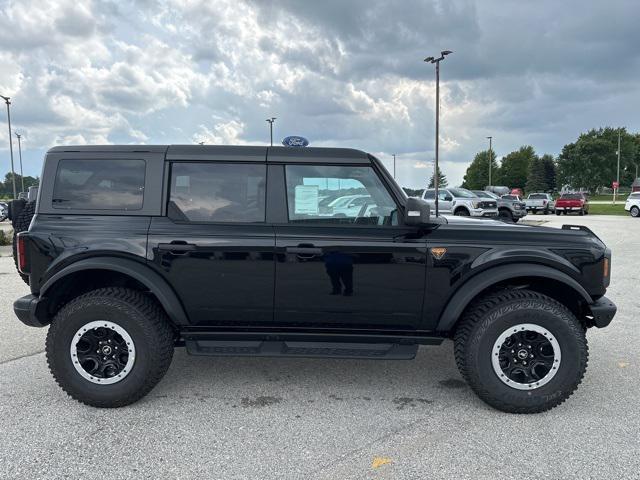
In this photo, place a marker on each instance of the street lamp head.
(429, 59)
(489, 138)
(444, 53)
(6, 99)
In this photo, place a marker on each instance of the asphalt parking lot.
(332, 419)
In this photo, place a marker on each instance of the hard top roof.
(228, 152)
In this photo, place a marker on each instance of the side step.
(269, 348)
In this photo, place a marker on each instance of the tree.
(442, 179)
(549, 168)
(591, 161)
(535, 179)
(477, 175)
(515, 167)
(6, 187)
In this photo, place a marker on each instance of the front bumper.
(602, 310)
(483, 212)
(29, 310)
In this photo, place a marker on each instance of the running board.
(270, 348)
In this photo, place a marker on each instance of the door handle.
(304, 252)
(177, 248)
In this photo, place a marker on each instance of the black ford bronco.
(296, 252)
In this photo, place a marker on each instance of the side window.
(429, 195)
(326, 194)
(99, 185)
(442, 195)
(217, 192)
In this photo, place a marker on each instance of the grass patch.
(607, 209)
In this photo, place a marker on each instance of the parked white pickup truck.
(542, 202)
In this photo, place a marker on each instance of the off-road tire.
(505, 215)
(488, 317)
(21, 224)
(140, 316)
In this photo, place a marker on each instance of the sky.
(340, 73)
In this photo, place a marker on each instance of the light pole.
(271, 120)
(394, 166)
(615, 190)
(13, 173)
(490, 149)
(437, 61)
(20, 155)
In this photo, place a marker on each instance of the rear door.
(214, 246)
(342, 268)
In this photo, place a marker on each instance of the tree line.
(589, 163)
(6, 187)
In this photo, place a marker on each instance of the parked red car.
(572, 202)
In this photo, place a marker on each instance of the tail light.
(21, 253)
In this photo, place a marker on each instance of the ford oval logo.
(295, 141)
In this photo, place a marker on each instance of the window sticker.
(306, 200)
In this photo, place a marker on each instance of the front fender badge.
(438, 252)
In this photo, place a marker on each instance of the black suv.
(259, 251)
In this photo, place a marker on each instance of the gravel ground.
(332, 419)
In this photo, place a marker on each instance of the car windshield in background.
(483, 194)
(462, 193)
(537, 196)
(571, 196)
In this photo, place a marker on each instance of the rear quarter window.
(99, 185)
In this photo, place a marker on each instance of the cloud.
(340, 73)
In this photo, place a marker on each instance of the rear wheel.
(581, 213)
(558, 212)
(635, 211)
(521, 351)
(109, 347)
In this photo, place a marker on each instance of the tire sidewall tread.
(140, 316)
(487, 318)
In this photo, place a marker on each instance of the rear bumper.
(603, 310)
(28, 310)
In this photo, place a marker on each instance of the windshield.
(483, 194)
(462, 193)
(538, 196)
(571, 196)
(510, 197)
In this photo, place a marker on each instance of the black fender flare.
(476, 284)
(138, 271)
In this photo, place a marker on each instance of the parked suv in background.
(508, 209)
(540, 202)
(136, 250)
(3, 211)
(632, 205)
(462, 202)
(572, 202)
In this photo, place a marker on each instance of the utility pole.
(20, 154)
(615, 190)
(394, 166)
(13, 172)
(437, 61)
(490, 151)
(271, 120)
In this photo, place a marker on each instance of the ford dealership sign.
(295, 141)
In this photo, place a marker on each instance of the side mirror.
(417, 212)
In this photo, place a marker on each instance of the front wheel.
(462, 212)
(521, 351)
(635, 211)
(109, 347)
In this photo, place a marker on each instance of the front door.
(214, 246)
(338, 266)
